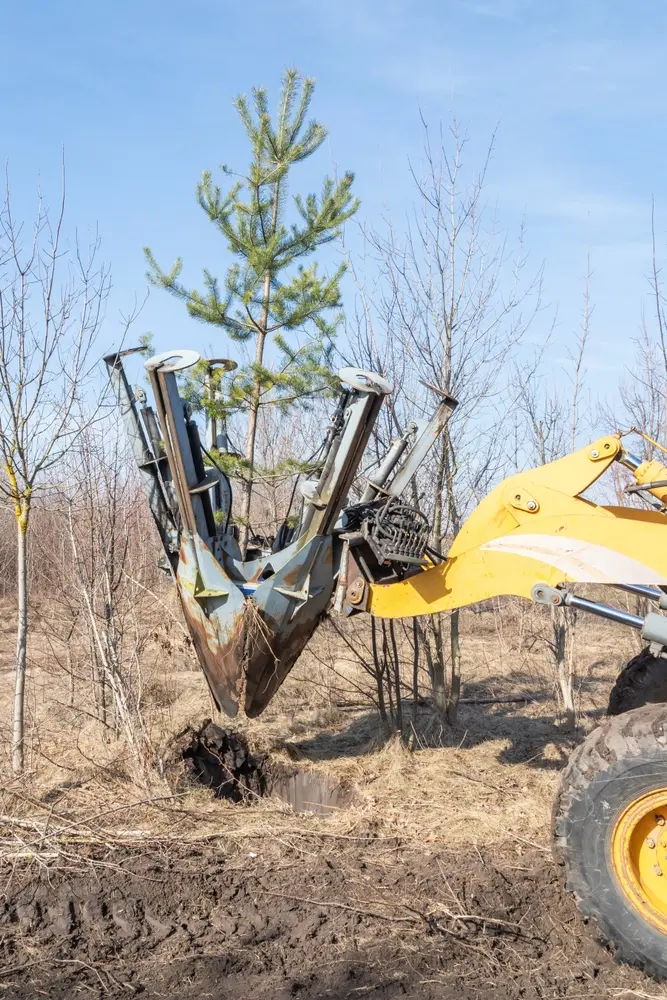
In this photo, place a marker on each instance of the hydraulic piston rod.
(629, 460)
(650, 593)
(653, 627)
(388, 464)
(543, 594)
(603, 611)
(650, 476)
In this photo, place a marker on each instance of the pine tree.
(270, 294)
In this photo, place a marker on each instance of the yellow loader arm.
(535, 528)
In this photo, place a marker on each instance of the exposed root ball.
(221, 760)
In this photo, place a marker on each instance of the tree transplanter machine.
(251, 618)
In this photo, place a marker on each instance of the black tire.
(642, 681)
(620, 761)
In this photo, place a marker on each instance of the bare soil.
(313, 916)
(423, 873)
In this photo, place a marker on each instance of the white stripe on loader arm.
(582, 562)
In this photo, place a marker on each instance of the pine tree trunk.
(18, 722)
(254, 402)
(253, 413)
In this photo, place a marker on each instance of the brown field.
(435, 881)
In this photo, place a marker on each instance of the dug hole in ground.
(426, 873)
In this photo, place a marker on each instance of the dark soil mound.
(221, 760)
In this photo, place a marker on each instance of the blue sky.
(139, 94)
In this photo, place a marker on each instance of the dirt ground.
(309, 917)
(434, 880)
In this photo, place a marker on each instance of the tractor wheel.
(642, 681)
(610, 829)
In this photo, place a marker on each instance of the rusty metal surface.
(214, 610)
(221, 661)
(286, 610)
(252, 640)
(271, 660)
(355, 595)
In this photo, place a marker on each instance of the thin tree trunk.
(438, 682)
(437, 663)
(378, 671)
(455, 668)
(386, 676)
(71, 673)
(428, 652)
(397, 676)
(99, 687)
(454, 620)
(18, 722)
(415, 672)
(565, 665)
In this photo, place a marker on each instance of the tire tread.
(640, 730)
(642, 681)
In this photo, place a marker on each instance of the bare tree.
(104, 510)
(644, 390)
(453, 304)
(51, 307)
(552, 421)
(376, 649)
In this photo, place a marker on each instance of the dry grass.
(489, 780)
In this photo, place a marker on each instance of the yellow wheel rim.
(639, 856)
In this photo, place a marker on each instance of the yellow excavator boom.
(536, 527)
